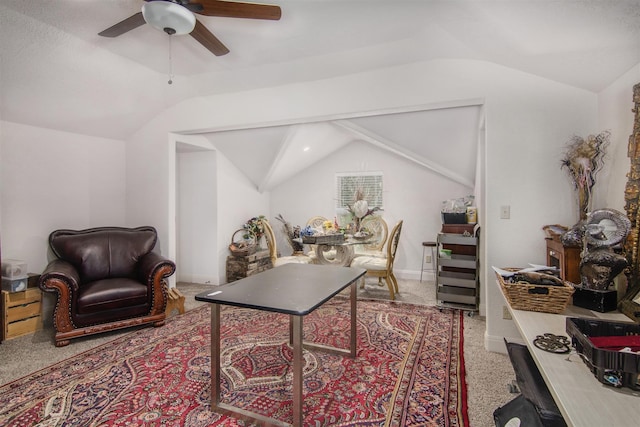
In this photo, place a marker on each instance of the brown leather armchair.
(105, 278)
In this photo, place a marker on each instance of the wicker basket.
(242, 247)
(530, 297)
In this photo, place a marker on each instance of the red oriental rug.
(409, 371)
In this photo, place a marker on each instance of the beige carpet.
(488, 374)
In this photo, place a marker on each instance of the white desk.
(582, 399)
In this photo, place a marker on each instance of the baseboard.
(414, 275)
(197, 278)
(496, 343)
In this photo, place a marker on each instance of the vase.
(584, 199)
(259, 243)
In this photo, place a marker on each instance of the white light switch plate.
(505, 212)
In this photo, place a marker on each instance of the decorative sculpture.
(601, 232)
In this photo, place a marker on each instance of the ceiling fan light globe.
(163, 14)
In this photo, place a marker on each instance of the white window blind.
(348, 184)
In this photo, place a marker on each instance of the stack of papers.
(534, 267)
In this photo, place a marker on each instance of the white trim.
(361, 173)
(174, 139)
(496, 344)
(171, 199)
(286, 143)
(388, 145)
(331, 117)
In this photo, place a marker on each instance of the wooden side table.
(21, 312)
(566, 258)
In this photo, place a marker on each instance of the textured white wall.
(238, 201)
(51, 180)
(411, 193)
(195, 210)
(614, 114)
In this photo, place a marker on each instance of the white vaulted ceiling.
(56, 72)
(269, 156)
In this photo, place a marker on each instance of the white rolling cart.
(457, 274)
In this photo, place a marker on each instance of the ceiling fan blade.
(122, 27)
(231, 9)
(208, 40)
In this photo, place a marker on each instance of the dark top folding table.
(293, 289)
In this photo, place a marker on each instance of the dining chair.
(382, 268)
(276, 260)
(376, 225)
(316, 223)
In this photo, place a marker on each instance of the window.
(369, 184)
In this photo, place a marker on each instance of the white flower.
(360, 208)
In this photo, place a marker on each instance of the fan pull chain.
(170, 62)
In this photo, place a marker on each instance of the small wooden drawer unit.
(21, 312)
(566, 258)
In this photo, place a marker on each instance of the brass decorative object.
(631, 192)
(552, 343)
(599, 234)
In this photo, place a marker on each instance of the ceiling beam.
(395, 148)
(275, 164)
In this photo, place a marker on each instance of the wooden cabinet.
(21, 312)
(566, 258)
(457, 283)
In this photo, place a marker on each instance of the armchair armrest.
(62, 278)
(57, 273)
(152, 270)
(154, 266)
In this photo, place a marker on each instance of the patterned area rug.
(409, 371)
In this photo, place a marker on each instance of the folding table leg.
(215, 356)
(296, 325)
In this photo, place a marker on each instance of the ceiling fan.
(177, 17)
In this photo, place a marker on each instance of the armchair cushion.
(109, 294)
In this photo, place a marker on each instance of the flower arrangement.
(328, 227)
(293, 235)
(583, 159)
(254, 226)
(360, 209)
